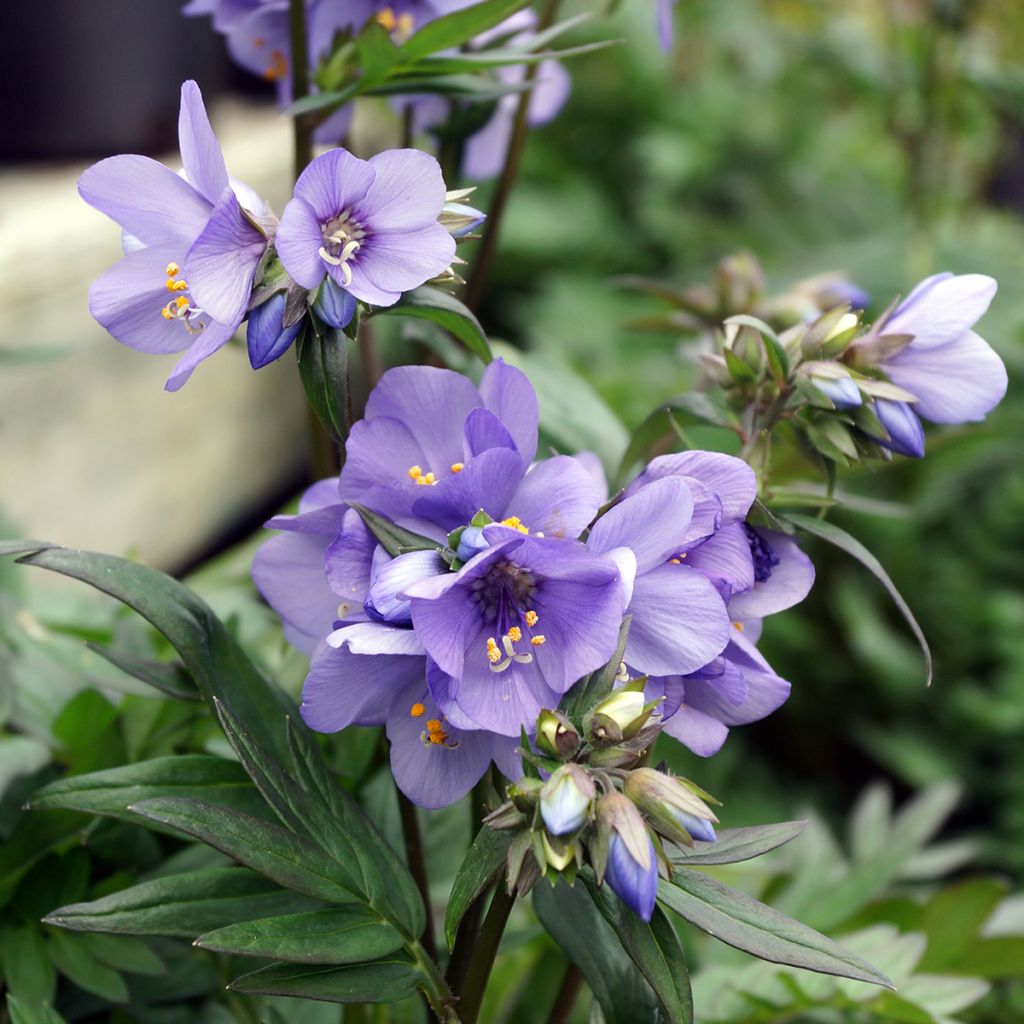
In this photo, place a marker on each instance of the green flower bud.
(556, 735)
(621, 715)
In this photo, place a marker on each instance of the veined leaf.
(739, 844)
(483, 862)
(170, 679)
(394, 539)
(324, 369)
(443, 309)
(340, 935)
(741, 921)
(452, 30)
(185, 904)
(842, 540)
(385, 981)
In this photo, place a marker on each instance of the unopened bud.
(334, 306)
(565, 799)
(619, 716)
(266, 336)
(671, 806)
(557, 853)
(556, 735)
(904, 430)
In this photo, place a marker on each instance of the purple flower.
(370, 224)
(904, 433)
(267, 337)
(953, 373)
(665, 9)
(517, 626)
(191, 250)
(633, 879)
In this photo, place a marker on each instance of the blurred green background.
(879, 138)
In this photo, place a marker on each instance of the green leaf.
(211, 656)
(377, 53)
(588, 691)
(109, 793)
(73, 959)
(383, 982)
(739, 844)
(185, 904)
(483, 862)
(341, 935)
(439, 307)
(452, 30)
(995, 958)
(841, 539)
(394, 539)
(129, 955)
(953, 920)
(653, 947)
(22, 1012)
(170, 679)
(324, 368)
(284, 857)
(587, 939)
(778, 361)
(741, 921)
(27, 970)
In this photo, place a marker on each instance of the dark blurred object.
(87, 79)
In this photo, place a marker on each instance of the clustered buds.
(597, 804)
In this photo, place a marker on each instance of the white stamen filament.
(510, 656)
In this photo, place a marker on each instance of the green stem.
(486, 949)
(302, 129)
(417, 866)
(568, 992)
(477, 284)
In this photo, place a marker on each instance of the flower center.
(763, 554)
(435, 733)
(277, 67)
(180, 307)
(343, 236)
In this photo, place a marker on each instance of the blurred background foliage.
(881, 138)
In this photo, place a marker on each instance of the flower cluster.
(598, 804)
(257, 36)
(204, 252)
(452, 586)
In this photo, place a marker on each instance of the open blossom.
(191, 250)
(952, 372)
(372, 225)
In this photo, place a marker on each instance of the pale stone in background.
(93, 452)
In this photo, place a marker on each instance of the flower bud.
(671, 806)
(619, 716)
(556, 735)
(386, 600)
(565, 799)
(631, 868)
(525, 793)
(905, 433)
(557, 853)
(267, 337)
(460, 219)
(333, 305)
(841, 391)
(471, 543)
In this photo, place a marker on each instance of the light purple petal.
(396, 262)
(200, 151)
(377, 638)
(433, 774)
(127, 300)
(322, 494)
(730, 478)
(488, 482)
(789, 583)
(147, 199)
(344, 688)
(593, 465)
(508, 393)
(334, 182)
(664, 10)
(390, 581)
(679, 622)
(407, 192)
(483, 430)
(959, 382)
(212, 338)
(653, 522)
(347, 561)
(298, 243)
(942, 308)
(221, 264)
(702, 733)
(634, 884)
(558, 498)
(725, 559)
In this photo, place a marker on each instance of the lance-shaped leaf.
(324, 370)
(483, 862)
(341, 935)
(73, 959)
(210, 654)
(111, 792)
(170, 679)
(184, 904)
(443, 309)
(588, 691)
(381, 982)
(573, 921)
(290, 860)
(842, 540)
(395, 540)
(741, 921)
(738, 844)
(452, 30)
(654, 947)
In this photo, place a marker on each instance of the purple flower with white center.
(369, 224)
(517, 626)
(433, 450)
(191, 250)
(679, 619)
(953, 373)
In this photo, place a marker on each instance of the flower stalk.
(488, 940)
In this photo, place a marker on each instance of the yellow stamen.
(434, 725)
(172, 269)
(415, 472)
(516, 524)
(181, 302)
(739, 626)
(429, 478)
(493, 652)
(417, 710)
(458, 467)
(166, 313)
(278, 66)
(515, 634)
(387, 19)
(531, 617)
(538, 640)
(177, 286)
(675, 561)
